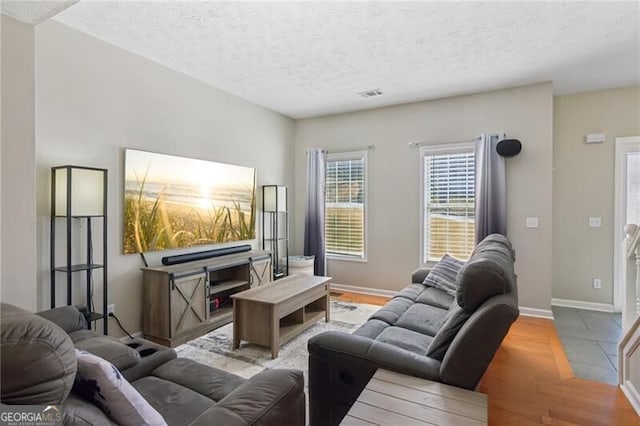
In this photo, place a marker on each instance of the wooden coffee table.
(271, 314)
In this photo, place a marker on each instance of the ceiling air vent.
(370, 93)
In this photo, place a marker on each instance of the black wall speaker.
(509, 147)
(190, 257)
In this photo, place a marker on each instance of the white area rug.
(216, 348)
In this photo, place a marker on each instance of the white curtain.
(314, 212)
(491, 191)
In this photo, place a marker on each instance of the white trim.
(441, 148)
(632, 395)
(535, 312)
(626, 348)
(364, 290)
(353, 155)
(622, 146)
(579, 304)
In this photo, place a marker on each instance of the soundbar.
(190, 257)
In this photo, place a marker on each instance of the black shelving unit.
(79, 194)
(275, 227)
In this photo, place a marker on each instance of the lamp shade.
(274, 198)
(83, 186)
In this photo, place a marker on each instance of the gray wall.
(17, 153)
(94, 99)
(393, 206)
(583, 187)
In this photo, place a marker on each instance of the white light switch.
(532, 222)
(595, 222)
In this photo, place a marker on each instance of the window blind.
(344, 208)
(449, 214)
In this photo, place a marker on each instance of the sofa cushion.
(371, 328)
(435, 297)
(409, 340)
(207, 381)
(443, 274)
(483, 276)
(493, 241)
(424, 319)
(68, 318)
(454, 321)
(111, 350)
(392, 310)
(78, 412)
(38, 359)
(177, 404)
(411, 292)
(101, 383)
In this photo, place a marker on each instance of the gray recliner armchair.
(38, 366)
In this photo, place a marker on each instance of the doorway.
(627, 206)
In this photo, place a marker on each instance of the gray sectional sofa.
(38, 366)
(423, 331)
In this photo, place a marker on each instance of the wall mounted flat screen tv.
(174, 202)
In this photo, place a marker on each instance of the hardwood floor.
(530, 382)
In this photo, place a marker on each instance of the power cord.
(120, 325)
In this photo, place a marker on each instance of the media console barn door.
(188, 303)
(261, 272)
(187, 300)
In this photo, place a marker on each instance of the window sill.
(345, 258)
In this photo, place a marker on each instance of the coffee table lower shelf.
(272, 314)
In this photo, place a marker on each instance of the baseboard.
(578, 304)
(535, 312)
(364, 290)
(632, 395)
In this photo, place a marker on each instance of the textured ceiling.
(32, 11)
(309, 59)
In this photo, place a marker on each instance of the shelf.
(94, 316)
(290, 328)
(221, 312)
(79, 267)
(276, 239)
(226, 285)
(77, 216)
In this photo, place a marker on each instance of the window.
(448, 201)
(345, 198)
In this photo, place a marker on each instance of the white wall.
(18, 274)
(394, 217)
(583, 186)
(94, 99)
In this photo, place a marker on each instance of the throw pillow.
(443, 274)
(99, 382)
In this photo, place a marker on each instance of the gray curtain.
(491, 196)
(314, 212)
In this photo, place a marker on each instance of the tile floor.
(590, 340)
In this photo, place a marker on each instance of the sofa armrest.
(68, 318)
(341, 365)
(269, 398)
(420, 274)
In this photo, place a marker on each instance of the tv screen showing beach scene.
(175, 202)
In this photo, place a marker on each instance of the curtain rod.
(353, 148)
(413, 144)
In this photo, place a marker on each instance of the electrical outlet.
(597, 283)
(111, 309)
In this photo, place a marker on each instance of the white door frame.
(622, 146)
